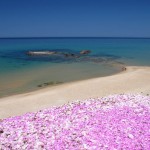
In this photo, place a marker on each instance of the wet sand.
(133, 79)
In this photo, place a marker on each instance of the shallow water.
(21, 73)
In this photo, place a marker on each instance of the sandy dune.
(133, 80)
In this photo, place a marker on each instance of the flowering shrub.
(118, 122)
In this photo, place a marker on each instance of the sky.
(74, 18)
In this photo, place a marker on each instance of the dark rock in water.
(71, 55)
(40, 85)
(83, 52)
(48, 53)
(66, 54)
(58, 53)
(50, 83)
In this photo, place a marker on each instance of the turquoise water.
(21, 73)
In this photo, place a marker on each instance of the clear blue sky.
(55, 18)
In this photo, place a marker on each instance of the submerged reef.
(62, 56)
(72, 56)
(66, 54)
(113, 123)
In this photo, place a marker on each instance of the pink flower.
(113, 122)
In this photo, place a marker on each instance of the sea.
(21, 73)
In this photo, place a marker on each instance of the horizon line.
(115, 37)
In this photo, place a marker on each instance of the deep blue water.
(16, 66)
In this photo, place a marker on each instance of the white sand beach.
(133, 80)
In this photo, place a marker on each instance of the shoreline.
(133, 79)
(120, 68)
(26, 81)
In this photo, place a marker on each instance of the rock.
(40, 85)
(72, 55)
(49, 83)
(39, 53)
(84, 52)
(65, 54)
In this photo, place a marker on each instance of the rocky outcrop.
(84, 52)
(49, 83)
(65, 54)
(39, 53)
(71, 55)
(59, 55)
